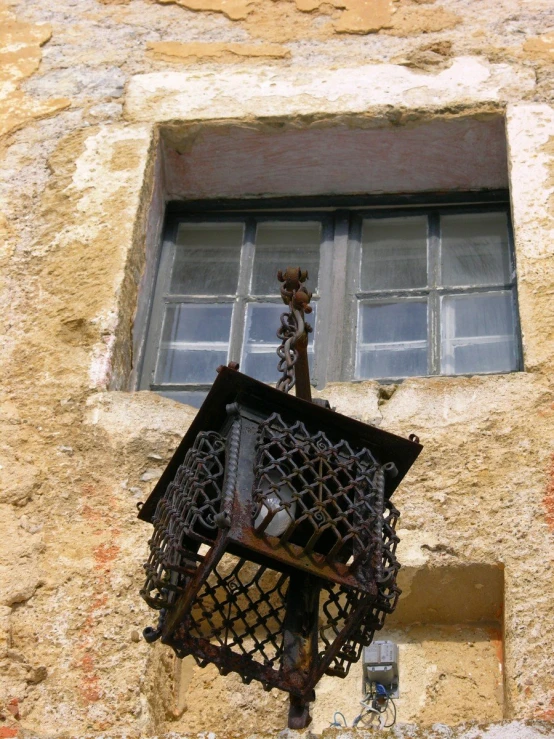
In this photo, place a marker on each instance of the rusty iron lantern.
(273, 551)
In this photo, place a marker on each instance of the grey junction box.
(380, 665)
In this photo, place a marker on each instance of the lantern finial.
(293, 332)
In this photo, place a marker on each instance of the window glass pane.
(400, 362)
(207, 257)
(392, 339)
(259, 359)
(189, 365)
(495, 356)
(393, 322)
(478, 333)
(475, 249)
(394, 253)
(195, 340)
(194, 322)
(285, 244)
(261, 366)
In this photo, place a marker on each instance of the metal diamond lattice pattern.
(326, 488)
(335, 498)
(242, 607)
(184, 519)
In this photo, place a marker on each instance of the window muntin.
(478, 333)
(217, 298)
(394, 253)
(404, 292)
(442, 292)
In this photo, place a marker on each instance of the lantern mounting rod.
(293, 332)
(302, 599)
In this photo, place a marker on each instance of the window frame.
(433, 291)
(337, 296)
(240, 300)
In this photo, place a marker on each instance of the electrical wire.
(388, 726)
(336, 724)
(376, 704)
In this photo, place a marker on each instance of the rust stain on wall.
(104, 555)
(548, 714)
(20, 56)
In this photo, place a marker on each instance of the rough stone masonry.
(95, 95)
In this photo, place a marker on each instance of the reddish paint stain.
(98, 509)
(90, 689)
(13, 708)
(547, 715)
(548, 499)
(91, 514)
(495, 635)
(105, 554)
(6, 732)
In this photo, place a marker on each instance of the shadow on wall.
(448, 626)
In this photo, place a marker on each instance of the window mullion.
(433, 260)
(245, 279)
(339, 320)
(155, 325)
(320, 371)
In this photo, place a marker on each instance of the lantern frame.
(272, 609)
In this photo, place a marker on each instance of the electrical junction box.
(380, 666)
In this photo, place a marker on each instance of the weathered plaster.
(278, 92)
(83, 194)
(412, 21)
(529, 131)
(357, 16)
(233, 9)
(397, 17)
(428, 57)
(20, 55)
(540, 47)
(365, 16)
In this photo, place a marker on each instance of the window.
(398, 292)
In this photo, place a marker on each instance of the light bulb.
(272, 501)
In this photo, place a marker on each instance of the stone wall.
(93, 97)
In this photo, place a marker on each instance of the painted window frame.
(338, 295)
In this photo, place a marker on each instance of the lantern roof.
(232, 386)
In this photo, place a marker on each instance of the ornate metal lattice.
(185, 518)
(241, 607)
(332, 496)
